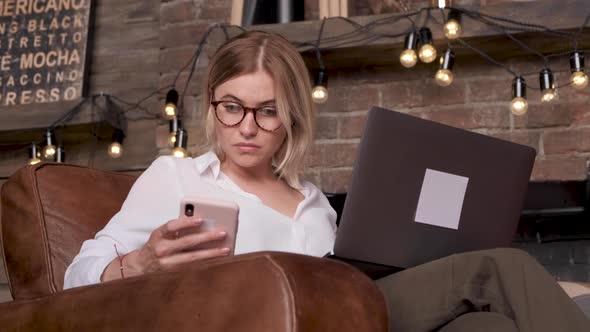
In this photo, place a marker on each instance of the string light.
(408, 58)
(444, 76)
(452, 28)
(49, 149)
(60, 155)
(427, 52)
(578, 78)
(116, 147)
(171, 104)
(319, 93)
(174, 125)
(519, 104)
(547, 85)
(179, 150)
(34, 154)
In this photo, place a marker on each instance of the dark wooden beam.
(72, 133)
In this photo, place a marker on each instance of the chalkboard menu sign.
(43, 45)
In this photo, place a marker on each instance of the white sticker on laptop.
(441, 199)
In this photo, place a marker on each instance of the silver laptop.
(422, 190)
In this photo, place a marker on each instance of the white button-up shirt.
(155, 199)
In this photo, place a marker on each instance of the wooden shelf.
(566, 15)
(72, 134)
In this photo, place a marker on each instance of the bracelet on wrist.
(120, 258)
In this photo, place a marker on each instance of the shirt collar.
(210, 161)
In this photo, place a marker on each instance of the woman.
(259, 121)
(256, 160)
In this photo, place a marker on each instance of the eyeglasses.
(231, 113)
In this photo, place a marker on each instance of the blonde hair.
(248, 53)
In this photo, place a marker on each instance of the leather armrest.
(265, 291)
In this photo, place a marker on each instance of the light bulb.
(452, 29)
(34, 161)
(427, 53)
(179, 152)
(34, 154)
(408, 58)
(60, 154)
(115, 150)
(49, 151)
(444, 77)
(172, 139)
(547, 85)
(170, 111)
(319, 94)
(548, 95)
(170, 105)
(519, 106)
(579, 79)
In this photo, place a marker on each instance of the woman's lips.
(247, 147)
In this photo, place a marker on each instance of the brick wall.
(477, 100)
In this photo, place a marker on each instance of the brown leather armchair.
(48, 210)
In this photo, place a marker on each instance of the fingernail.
(220, 234)
(225, 250)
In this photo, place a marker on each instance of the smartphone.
(217, 215)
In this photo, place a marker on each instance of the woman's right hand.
(169, 246)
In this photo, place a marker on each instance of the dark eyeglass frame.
(246, 110)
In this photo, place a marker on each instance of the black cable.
(133, 106)
(519, 42)
(426, 18)
(68, 115)
(529, 26)
(579, 32)
(556, 55)
(363, 28)
(487, 57)
(193, 66)
(317, 46)
(224, 26)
